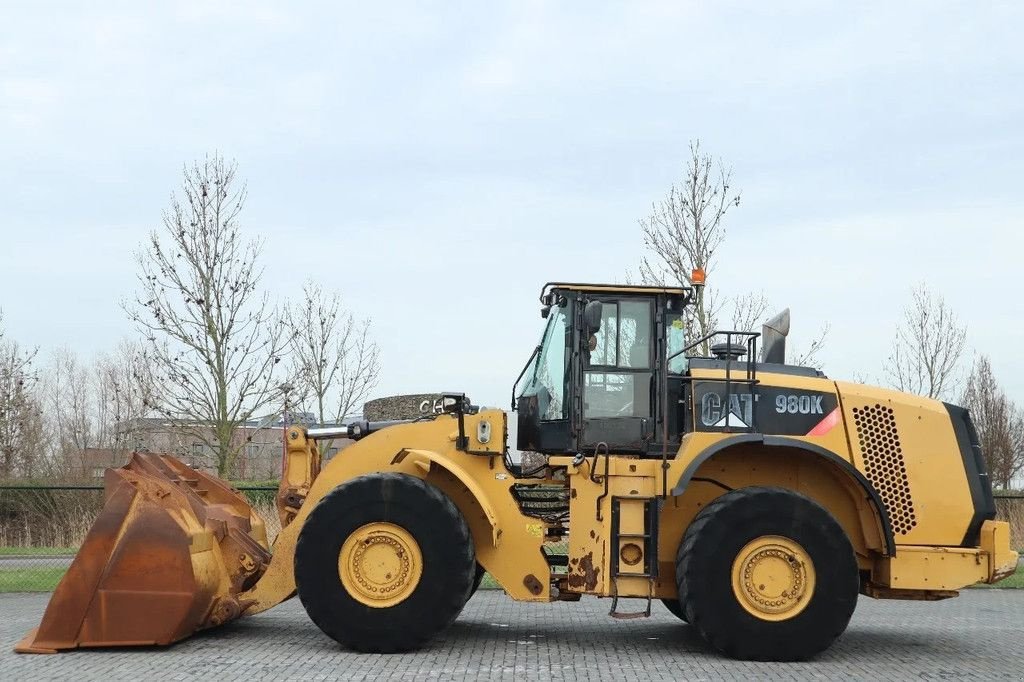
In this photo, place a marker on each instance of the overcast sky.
(437, 164)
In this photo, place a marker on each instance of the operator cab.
(596, 377)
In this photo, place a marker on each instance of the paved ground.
(978, 636)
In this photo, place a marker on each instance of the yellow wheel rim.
(380, 564)
(773, 578)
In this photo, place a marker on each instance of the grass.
(37, 551)
(1015, 581)
(30, 579)
(1012, 511)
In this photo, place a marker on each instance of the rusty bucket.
(167, 556)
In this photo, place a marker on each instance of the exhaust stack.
(773, 334)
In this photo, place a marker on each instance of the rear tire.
(767, 574)
(427, 521)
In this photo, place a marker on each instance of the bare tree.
(29, 438)
(927, 349)
(749, 311)
(685, 230)
(808, 356)
(124, 394)
(999, 423)
(69, 410)
(19, 411)
(335, 363)
(89, 405)
(211, 336)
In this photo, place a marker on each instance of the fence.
(41, 528)
(1010, 507)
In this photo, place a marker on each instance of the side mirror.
(592, 316)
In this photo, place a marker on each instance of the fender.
(782, 442)
(425, 459)
(278, 582)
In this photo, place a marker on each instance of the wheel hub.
(773, 578)
(380, 564)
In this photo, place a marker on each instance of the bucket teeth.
(167, 556)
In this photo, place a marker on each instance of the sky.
(437, 163)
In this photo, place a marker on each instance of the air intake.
(883, 459)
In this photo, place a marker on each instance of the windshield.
(546, 379)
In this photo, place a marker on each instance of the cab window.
(676, 342)
(617, 378)
(549, 378)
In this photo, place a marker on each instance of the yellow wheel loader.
(755, 499)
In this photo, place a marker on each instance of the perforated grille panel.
(883, 460)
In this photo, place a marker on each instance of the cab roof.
(615, 288)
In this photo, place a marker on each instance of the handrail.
(750, 362)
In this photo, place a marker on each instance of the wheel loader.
(754, 499)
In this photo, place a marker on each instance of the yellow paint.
(935, 513)
(424, 459)
(736, 468)
(590, 553)
(932, 568)
(773, 578)
(588, 540)
(995, 542)
(505, 546)
(629, 550)
(380, 564)
(301, 467)
(938, 507)
(800, 471)
(509, 544)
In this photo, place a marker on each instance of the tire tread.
(712, 527)
(356, 633)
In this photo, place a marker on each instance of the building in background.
(261, 441)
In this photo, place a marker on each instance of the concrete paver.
(979, 635)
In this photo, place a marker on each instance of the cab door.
(618, 378)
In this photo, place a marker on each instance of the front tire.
(767, 574)
(477, 579)
(384, 563)
(675, 608)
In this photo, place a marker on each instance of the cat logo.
(784, 411)
(739, 414)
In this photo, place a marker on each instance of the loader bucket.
(167, 556)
